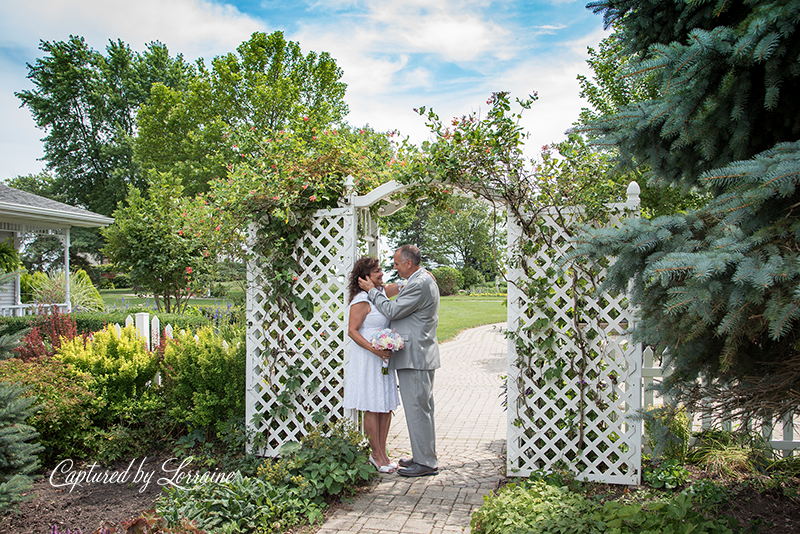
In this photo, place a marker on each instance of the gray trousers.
(416, 390)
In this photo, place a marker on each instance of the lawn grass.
(457, 313)
(121, 299)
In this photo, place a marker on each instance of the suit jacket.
(414, 314)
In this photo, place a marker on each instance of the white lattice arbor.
(573, 380)
(577, 414)
(295, 367)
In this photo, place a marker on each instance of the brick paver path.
(471, 438)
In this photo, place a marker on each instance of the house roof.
(26, 208)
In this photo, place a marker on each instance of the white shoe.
(386, 469)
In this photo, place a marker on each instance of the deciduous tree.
(268, 85)
(86, 102)
(165, 240)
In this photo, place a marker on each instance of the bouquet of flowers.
(387, 339)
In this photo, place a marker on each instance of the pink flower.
(188, 270)
(184, 214)
(305, 186)
(305, 119)
(218, 227)
(294, 278)
(313, 198)
(314, 138)
(274, 198)
(362, 132)
(273, 166)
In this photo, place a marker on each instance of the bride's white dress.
(366, 387)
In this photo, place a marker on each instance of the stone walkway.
(471, 439)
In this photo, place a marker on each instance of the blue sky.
(396, 55)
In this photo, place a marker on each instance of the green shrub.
(448, 279)
(668, 474)
(472, 277)
(707, 493)
(9, 257)
(122, 281)
(243, 504)
(217, 290)
(120, 365)
(17, 447)
(26, 288)
(330, 459)
(67, 405)
(668, 430)
(538, 508)
(532, 507)
(140, 426)
(204, 380)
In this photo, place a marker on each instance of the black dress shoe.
(418, 470)
(406, 462)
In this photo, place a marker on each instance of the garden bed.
(51, 510)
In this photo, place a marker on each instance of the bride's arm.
(359, 312)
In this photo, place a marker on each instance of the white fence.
(779, 433)
(149, 329)
(21, 310)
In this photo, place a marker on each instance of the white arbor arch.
(296, 368)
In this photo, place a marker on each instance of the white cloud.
(195, 27)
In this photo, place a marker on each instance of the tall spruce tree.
(718, 287)
(17, 447)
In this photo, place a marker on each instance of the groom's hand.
(365, 284)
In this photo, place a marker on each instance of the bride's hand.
(383, 354)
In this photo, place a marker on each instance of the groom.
(415, 316)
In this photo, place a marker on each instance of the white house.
(23, 214)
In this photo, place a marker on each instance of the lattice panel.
(287, 390)
(570, 398)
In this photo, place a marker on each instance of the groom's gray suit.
(414, 314)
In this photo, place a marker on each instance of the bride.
(367, 388)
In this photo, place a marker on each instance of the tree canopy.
(719, 286)
(267, 86)
(87, 103)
